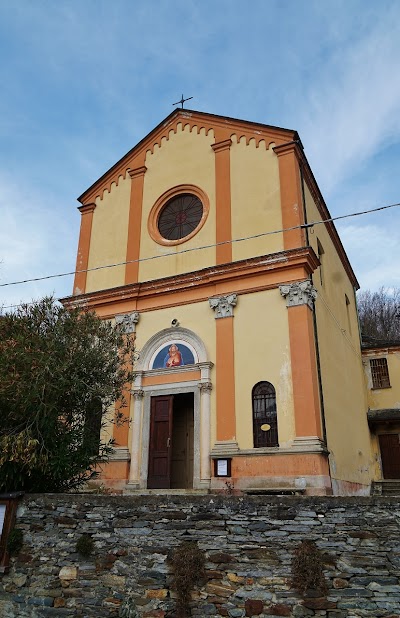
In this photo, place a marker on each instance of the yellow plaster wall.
(344, 392)
(380, 398)
(255, 198)
(185, 158)
(109, 237)
(262, 352)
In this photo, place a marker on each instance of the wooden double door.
(389, 444)
(171, 443)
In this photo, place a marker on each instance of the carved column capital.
(223, 305)
(205, 387)
(299, 293)
(127, 321)
(138, 394)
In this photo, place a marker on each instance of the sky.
(84, 81)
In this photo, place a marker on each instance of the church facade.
(204, 241)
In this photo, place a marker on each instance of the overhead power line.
(166, 255)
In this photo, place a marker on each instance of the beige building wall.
(255, 199)
(344, 395)
(185, 158)
(109, 237)
(262, 352)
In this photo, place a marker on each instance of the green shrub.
(85, 545)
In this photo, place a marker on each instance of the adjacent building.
(381, 361)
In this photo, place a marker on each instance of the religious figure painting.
(173, 355)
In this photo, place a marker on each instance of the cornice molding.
(244, 276)
(86, 208)
(221, 127)
(319, 201)
(138, 171)
(220, 146)
(162, 371)
(284, 149)
(380, 352)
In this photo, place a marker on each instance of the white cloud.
(373, 250)
(353, 106)
(35, 240)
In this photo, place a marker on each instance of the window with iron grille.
(265, 425)
(379, 373)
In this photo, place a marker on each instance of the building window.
(265, 425)
(178, 215)
(379, 373)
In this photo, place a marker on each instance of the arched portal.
(170, 446)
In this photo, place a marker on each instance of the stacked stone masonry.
(248, 542)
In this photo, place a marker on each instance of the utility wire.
(155, 257)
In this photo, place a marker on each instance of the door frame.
(171, 389)
(385, 433)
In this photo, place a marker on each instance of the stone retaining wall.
(248, 541)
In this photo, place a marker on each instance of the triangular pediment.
(222, 128)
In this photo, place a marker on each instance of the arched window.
(265, 425)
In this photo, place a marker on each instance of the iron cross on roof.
(182, 101)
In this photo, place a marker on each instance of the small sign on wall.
(222, 467)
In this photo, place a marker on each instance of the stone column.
(134, 472)
(205, 432)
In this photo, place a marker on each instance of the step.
(387, 487)
(274, 491)
(165, 492)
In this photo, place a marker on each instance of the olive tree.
(61, 372)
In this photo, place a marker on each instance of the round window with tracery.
(180, 216)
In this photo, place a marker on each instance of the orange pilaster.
(223, 199)
(304, 372)
(135, 224)
(82, 259)
(226, 420)
(291, 195)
